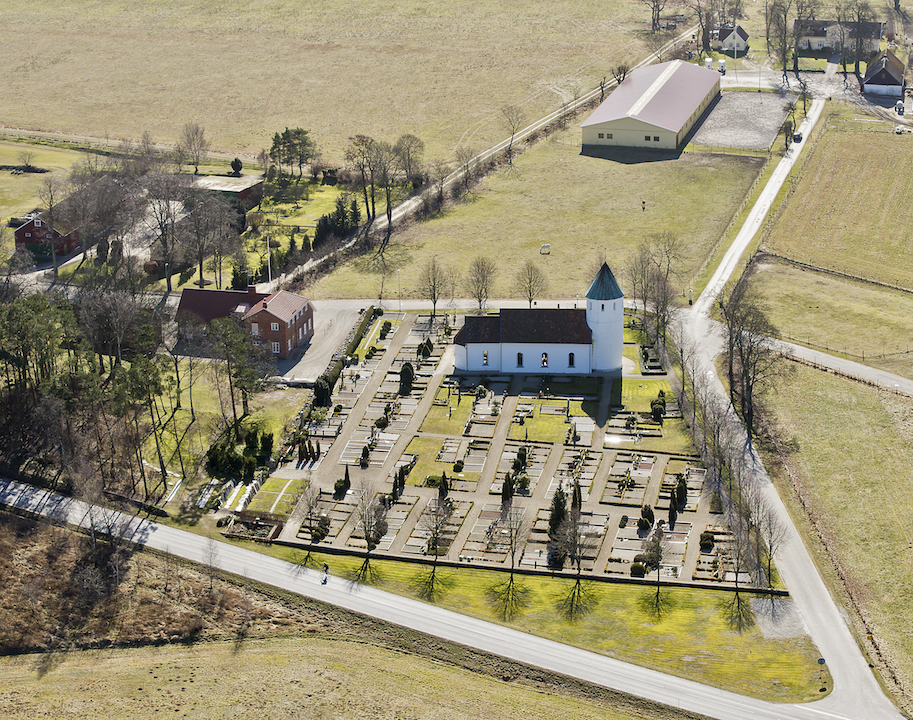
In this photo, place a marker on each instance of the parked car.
(797, 137)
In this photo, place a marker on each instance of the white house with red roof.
(654, 107)
(281, 322)
(552, 341)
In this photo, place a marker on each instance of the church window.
(485, 357)
(570, 359)
(544, 359)
(519, 359)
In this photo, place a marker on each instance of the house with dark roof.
(281, 322)
(548, 340)
(885, 76)
(835, 36)
(654, 107)
(198, 306)
(732, 39)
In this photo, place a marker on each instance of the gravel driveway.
(748, 120)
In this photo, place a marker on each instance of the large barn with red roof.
(654, 107)
(550, 341)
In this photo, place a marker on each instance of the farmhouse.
(281, 322)
(552, 341)
(835, 36)
(654, 107)
(35, 235)
(732, 39)
(885, 76)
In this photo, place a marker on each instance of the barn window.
(28, 234)
(485, 357)
(647, 138)
(544, 359)
(519, 359)
(601, 135)
(656, 138)
(570, 359)
(609, 136)
(38, 223)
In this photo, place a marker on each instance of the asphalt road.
(488, 637)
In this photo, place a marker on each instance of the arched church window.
(570, 359)
(485, 357)
(544, 359)
(519, 359)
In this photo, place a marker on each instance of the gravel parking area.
(748, 120)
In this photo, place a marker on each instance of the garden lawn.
(547, 428)
(693, 640)
(858, 319)
(843, 213)
(436, 420)
(556, 195)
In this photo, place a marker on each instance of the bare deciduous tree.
(371, 521)
(480, 278)
(164, 194)
(530, 281)
(410, 151)
(432, 282)
(193, 144)
(656, 7)
(509, 596)
(433, 523)
(514, 120)
(50, 193)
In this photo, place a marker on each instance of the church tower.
(605, 318)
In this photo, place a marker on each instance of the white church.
(548, 341)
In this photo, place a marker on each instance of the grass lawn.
(863, 239)
(675, 440)
(437, 420)
(556, 195)
(309, 677)
(637, 393)
(632, 352)
(246, 74)
(853, 453)
(837, 314)
(426, 449)
(548, 428)
(693, 640)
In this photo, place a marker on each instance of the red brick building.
(282, 322)
(35, 235)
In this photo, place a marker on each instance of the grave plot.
(490, 538)
(449, 411)
(584, 427)
(578, 464)
(535, 554)
(484, 417)
(715, 561)
(628, 543)
(327, 519)
(693, 482)
(396, 517)
(417, 544)
(592, 531)
(512, 461)
(675, 539)
(628, 479)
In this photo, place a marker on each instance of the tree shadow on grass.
(431, 584)
(656, 604)
(578, 601)
(737, 612)
(509, 598)
(367, 573)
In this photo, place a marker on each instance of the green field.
(843, 214)
(838, 315)
(584, 207)
(338, 68)
(853, 457)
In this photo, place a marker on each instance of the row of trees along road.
(87, 400)
(438, 280)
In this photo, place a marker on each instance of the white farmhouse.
(655, 107)
(548, 341)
